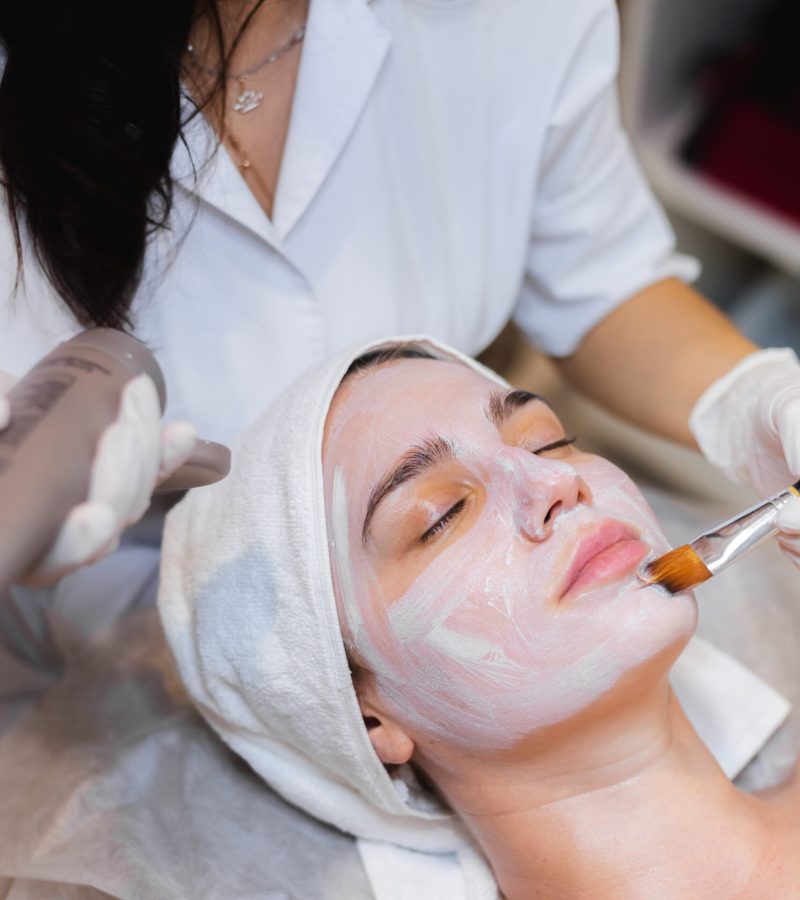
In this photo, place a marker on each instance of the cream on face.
(494, 591)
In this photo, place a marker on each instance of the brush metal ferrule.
(742, 533)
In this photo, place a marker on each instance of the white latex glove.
(748, 424)
(134, 453)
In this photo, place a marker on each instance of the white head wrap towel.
(248, 607)
(247, 603)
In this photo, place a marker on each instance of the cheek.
(452, 655)
(476, 653)
(616, 496)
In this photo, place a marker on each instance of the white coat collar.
(344, 48)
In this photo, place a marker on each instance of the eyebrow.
(502, 405)
(413, 463)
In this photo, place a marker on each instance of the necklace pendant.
(248, 100)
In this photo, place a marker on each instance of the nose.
(541, 490)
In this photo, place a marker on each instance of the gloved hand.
(133, 454)
(748, 424)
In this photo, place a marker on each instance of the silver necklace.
(248, 98)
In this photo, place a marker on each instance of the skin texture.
(652, 357)
(605, 792)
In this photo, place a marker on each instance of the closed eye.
(456, 508)
(439, 525)
(556, 445)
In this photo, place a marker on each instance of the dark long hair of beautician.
(90, 110)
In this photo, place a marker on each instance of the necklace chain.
(248, 98)
(272, 57)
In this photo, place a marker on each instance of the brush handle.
(742, 533)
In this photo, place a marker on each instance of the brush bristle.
(679, 570)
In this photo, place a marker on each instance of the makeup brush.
(693, 563)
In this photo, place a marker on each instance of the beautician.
(386, 166)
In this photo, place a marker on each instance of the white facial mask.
(480, 648)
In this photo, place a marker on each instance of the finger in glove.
(785, 411)
(177, 445)
(115, 476)
(87, 531)
(140, 407)
(788, 519)
(791, 549)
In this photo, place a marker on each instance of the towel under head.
(248, 607)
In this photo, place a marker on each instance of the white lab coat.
(449, 164)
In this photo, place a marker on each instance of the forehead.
(405, 396)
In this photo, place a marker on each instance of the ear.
(391, 742)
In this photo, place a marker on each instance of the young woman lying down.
(413, 608)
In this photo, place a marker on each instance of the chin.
(657, 620)
(633, 656)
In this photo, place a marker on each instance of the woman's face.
(485, 568)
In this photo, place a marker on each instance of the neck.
(266, 24)
(624, 805)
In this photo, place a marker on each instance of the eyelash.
(556, 445)
(440, 524)
(456, 508)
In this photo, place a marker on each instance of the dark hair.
(90, 112)
(388, 353)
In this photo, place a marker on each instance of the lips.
(609, 551)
